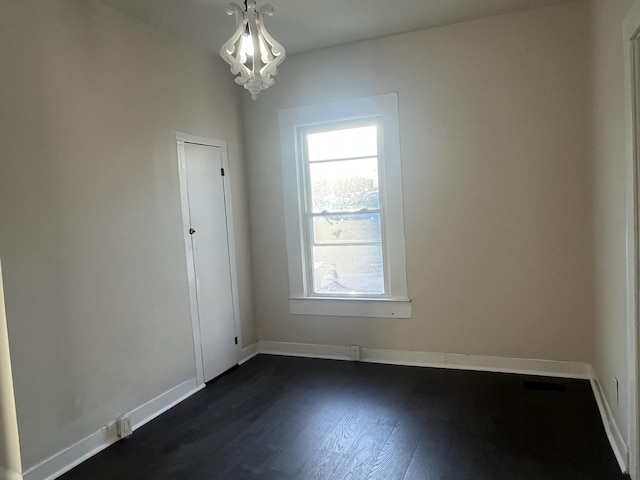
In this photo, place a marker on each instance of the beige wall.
(90, 233)
(609, 197)
(494, 134)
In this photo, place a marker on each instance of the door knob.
(191, 231)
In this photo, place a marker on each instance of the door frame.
(631, 38)
(181, 139)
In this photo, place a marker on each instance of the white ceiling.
(304, 25)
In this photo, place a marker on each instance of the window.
(343, 206)
(342, 223)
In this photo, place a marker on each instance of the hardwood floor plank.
(398, 450)
(433, 453)
(293, 457)
(341, 438)
(360, 457)
(321, 465)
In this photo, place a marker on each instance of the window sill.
(351, 307)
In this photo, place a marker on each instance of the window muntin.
(344, 239)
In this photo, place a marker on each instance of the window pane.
(343, 143)
(354, 228)
(348, 269)
(346, 185)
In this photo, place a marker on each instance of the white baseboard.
(334, 352)
(8, 475)
(248, 353)
(156, 407)
(548, 368)
(616, 440)
(68, 458)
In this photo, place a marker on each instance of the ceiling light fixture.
(251, 51)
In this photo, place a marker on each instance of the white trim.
(333, 352)
(181, 139)
(248, 353)
(351, 307)
(527, 366)
(75, 454)
(610, 427)
(191, 276)
(157, 406)
(290, 120)
(7, 475)
(548, 368)
(231, 244)
(630, 30)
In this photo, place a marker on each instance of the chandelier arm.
(254, 33)
(229, 46)
(276, 53)
(255, 73)
(276, 48)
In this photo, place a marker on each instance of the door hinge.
(222, 172)
(236, 340)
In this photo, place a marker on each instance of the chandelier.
(251, 51)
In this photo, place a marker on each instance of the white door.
(211, 258)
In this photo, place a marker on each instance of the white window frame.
(383, 108)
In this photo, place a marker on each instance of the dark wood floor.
(296, 418)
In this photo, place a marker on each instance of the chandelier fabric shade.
(251, 51)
